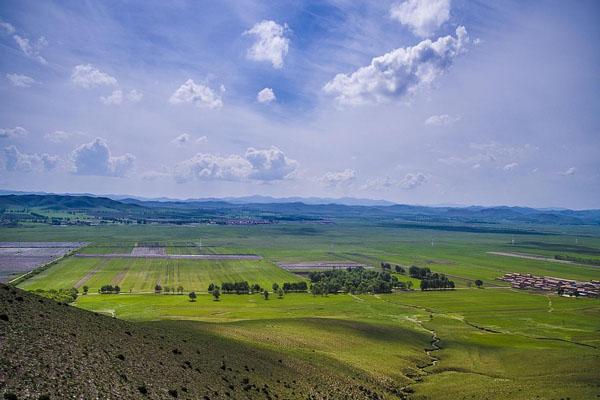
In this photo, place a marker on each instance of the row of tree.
(109, 289)
(168, 289)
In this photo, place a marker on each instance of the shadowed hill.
(55, 350)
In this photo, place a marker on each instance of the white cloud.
(210, 166)
(115, 98)
(88, 76)
(442, 120)
(182, 139)
(61, 136)
(411, 181)
(338, 178)
(19, 80)
(270, 164)
(423, 17)
(32, 50)
(257, 164)
(9, 133)
(271, 44)
(95, 159)
(22, 162)
(134, 96)
(200, 95)
(202, 140)
(510, 167)
(266, 96)
(398, 73)
(7, 27)
(570, 171)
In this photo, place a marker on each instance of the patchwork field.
(142, 274)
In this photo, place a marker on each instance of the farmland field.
(466, 343)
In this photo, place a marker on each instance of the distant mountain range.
(293, 209)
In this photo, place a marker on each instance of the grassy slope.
(485, 336)
(57, 350)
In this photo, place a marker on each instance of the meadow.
(493, 343)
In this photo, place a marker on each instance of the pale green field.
(142, 274)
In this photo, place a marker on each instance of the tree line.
(354, 280)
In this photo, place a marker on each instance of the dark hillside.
(55, 350)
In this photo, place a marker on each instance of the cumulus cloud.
(32, 49)
(115, 98)
(202, 139)
(95, 158)
(198, 94)
(271, 45)
(17, 161)
(570, 171)
(422, 17)
(442, 120)
(19, 80)
(7, 27)
(266, 96)
(87, 76)
(10, 133)
(398, 73)
(338, 178)
(257, 164)
(270, 164)
(211, 166)
(510, 167)
(134, 96)
(182, 139)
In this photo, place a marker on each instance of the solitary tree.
(216, 294)
(211, 287)
(280, 293)
(157, 288)
(275, 287)
(479, 283)
(85, 289)
(266, 294)
(192, 296)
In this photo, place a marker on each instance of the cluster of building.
(559, 285)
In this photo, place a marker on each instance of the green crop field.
(469, 343)
(142, 274)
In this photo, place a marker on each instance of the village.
(566, 287)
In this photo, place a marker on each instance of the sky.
(417, 102)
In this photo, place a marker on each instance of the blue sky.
(416, 101)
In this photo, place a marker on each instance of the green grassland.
(495, 342)
(485, 336)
